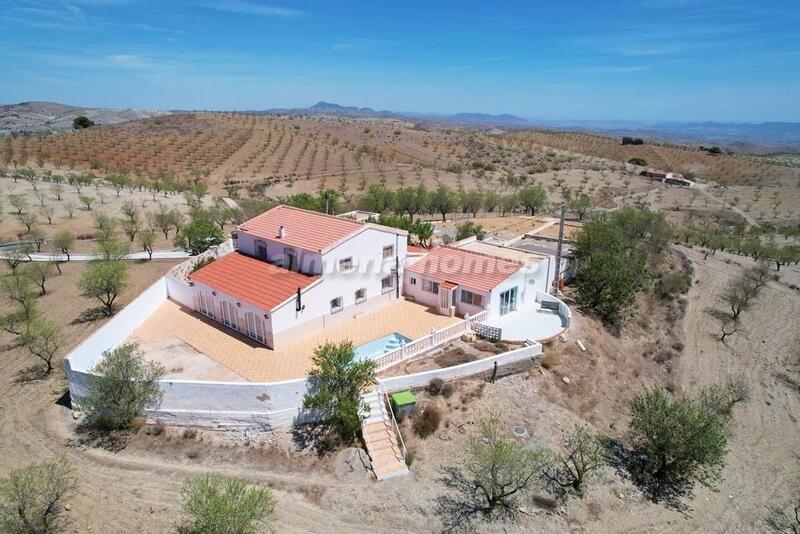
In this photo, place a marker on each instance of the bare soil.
(136, 488)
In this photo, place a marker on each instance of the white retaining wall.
(234, 404)
(417, 380)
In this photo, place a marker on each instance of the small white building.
(471, 276)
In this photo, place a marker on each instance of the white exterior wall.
(308, 261)
(285, 325)
(240, 310)
(528, 280)
(369, 268)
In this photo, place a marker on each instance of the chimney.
(281, 232)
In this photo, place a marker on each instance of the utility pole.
(557, 277)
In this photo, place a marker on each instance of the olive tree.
(120, 387)
(496, 474)
(32, 498)
(213, 503)
(681, 440)
(339, 379)
(42, 338)
(582, 457)
(104, 280)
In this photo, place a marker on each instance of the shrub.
(32, 498)
(672, 285)
(190, 433)
(435, 386)
(219, 505)
(549, 361)
(427, 421)
(638, 161)
(447, 390)
(120, 388)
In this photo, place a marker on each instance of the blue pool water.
(379, 347)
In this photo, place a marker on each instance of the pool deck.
(193, 347)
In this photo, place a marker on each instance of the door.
(261, 249)
(206, 305)
(229, 316)
(255, 327)
(508, 301)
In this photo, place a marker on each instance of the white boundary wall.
(417, 380)
(235, 404)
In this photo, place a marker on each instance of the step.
(386, 461)
(370, 428)
(384, 474)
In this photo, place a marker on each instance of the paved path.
(157, 255)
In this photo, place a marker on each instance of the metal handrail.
(396, 427)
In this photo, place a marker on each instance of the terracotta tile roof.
(308, 230)
(449, 285)
(413, 249)
(465, 268)
(251, 280)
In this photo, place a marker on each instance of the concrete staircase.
(384, 446)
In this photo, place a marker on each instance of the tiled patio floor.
(528, 323)
(255, 362)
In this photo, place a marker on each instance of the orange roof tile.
(309, 230)
(465, 268)
(413, 249)
(449, 285)
(251, 280)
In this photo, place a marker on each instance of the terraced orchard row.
(721, 168)
(231, 148)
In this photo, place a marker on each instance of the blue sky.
(727, 60)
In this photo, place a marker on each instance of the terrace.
(193, 347)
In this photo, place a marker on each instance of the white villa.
(294, 273)
(237, 327)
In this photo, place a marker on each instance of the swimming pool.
(378, 347)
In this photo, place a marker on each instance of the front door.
(508, 301)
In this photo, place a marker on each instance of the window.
(336, 305)
(387, 284)
(261, 250)
(290, 258)
(430, 286)
(345, 265)
(468, 297)
(361, 295)
(388, 252)
(413, 281)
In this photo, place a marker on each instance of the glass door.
(229, 315)
(508, 301)
(206, 305)
(255, 328)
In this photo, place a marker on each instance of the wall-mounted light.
(214, 293)
(239, 304)
(191, 284)
(266, 316)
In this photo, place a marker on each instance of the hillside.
(50, 116)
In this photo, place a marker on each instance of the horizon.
(628, 61)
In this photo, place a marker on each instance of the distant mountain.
(471, 119)
(50, 116)
(745, 138)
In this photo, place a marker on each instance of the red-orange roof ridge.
(252, 280)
